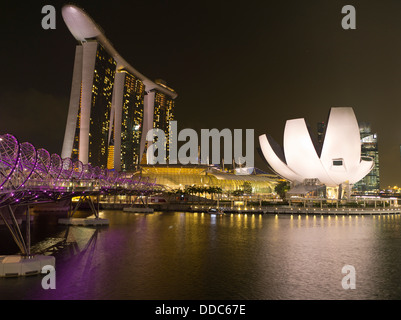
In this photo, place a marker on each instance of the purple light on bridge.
(21, 162)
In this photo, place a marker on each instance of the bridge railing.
(27, 172)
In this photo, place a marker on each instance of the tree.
(213, 190)
(191, 190)
(238, 192)
(282, 188)
(247, 187)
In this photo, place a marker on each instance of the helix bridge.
(30, 176)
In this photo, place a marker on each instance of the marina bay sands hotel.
(112, 105)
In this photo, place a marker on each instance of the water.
(199, 256)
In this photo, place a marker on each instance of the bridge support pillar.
(28, 231)
(91, 204)
(12, 224)
(97, 221)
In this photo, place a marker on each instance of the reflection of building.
(336, 163)
(369, 148)
(112, 105)
(180, 177)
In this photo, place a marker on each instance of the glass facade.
(180, 177)
(75, 145)
(369, 148)
(131, 121)
(102, 89)
(102, 143)
(163, 114)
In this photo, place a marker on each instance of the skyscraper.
(163, 112)
(369, 148)
(112, 105)
(129, 120)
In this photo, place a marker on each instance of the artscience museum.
(336, 163)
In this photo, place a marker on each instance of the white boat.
(215, 211)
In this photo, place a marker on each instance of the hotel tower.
(112, 105)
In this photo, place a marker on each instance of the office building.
(369, 148)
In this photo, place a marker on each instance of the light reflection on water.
(232, 256)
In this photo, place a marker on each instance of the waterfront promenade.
(314, 211)
(279, 209)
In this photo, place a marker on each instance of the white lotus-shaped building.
(337, 161)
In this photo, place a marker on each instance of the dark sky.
(234, 64)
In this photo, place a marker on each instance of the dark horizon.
(233, 65)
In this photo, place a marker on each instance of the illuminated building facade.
(100, 145)
(112, 105)
(369, 148)
(132, 115)
(336, 163)
(163, 112)
(180, 177)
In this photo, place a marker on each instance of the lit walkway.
(30, 176)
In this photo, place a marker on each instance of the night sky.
(234, 64)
